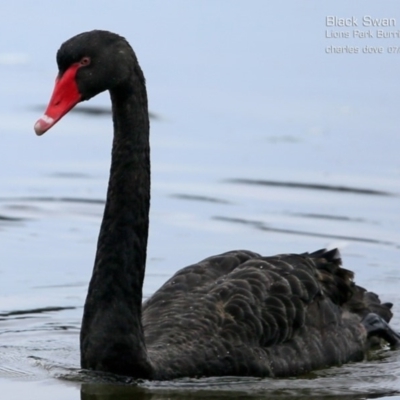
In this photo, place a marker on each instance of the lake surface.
(262, 139)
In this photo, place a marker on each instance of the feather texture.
(237, 313)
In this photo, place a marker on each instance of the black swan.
(237, 313)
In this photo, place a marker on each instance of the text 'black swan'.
(237, 313)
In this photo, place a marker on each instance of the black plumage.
(237, 313)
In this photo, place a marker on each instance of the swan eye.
(84, 61)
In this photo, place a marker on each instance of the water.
(257, 132)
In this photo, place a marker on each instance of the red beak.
(65, 96)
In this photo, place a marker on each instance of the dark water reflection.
(332, 386)
(112, 392)
(329, 384)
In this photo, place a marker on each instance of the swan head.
(88, 64)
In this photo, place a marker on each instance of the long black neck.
(112, 335)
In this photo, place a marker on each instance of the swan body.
(237, 313)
